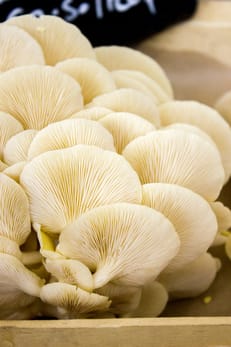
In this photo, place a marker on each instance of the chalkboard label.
(107, 21)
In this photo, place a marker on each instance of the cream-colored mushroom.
(223, 215)
(72, 299)
(92, 76)
(70, 271)
(124, 299)
(178, 157)
(17, 146)
(14, 171)
(127, 244)
(180, 205)
(129, 100)
(125, 127)
(14, 211)
(68, 133)
(92, 113)
(37, 95)
(207, 119)
(18, 48)
(222, 105)
(120, 57)
(48, 30)
(193, 279)
(154, 299)
(3, 166)
(10, 247)
(9, 127)
(62, 184)
(140, 81)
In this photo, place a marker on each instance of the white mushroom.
(92, 113)
(223, 215)
(62, 184)
(178, 157)
(14, 171)
(123, 243)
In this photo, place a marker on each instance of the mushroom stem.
(31, 258)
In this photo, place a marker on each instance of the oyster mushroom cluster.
(109, 187)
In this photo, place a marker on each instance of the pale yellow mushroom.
(204, 117)
(68, 133)
(16, 148)
(127, 244)
(178, 157)
(120, 57)
(14, 171)
(9, 127)
(223, 215)
(125, 127)
(37, 95)
(180, 205)
(92, 113)
(124, 299)
(140, 81)
(72, 299)
(222, 105)
(129, 100)
(18, 48)
(3, 166)
(154, 299)
(59, 39)
(15, 221)
(193, 279)
(70, 271)
(10, 247)
(62, 184)
(92, 76)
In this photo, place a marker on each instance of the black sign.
(107, 21)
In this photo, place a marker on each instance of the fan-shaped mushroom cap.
(223, 215)
(62, 184)
(180, 205)
(207, 119)
(193, 279)
(9, 247)
(48, 30)
(14, 211)
(117, 57)
(93, 77)
(70, 271)
(17, 146)
(138, 80)
(126, 244)
(124, 299)
(73, 299)
(178, 157)
(153, 301)
(125, 127)
(222, 105)
(92, 113)
(18, 48)
(129, 100)
(37, 95)
(9, 126)
(68, 133)
(14, 171)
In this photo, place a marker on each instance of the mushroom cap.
(73, 299)
(180, 205)
(125, 127)
(14, 211)
(9, 126)
(37, 95)
(14, 171)
(62, 184)
(92, 113)
(17, 147)
(127, 244)
(92, 76)
(222, 105)
(207, 119)
(192, 279)
(18, 48)
(140, 81)
(68, 133)
(178, 157)
(48, 30)
(129, 100)
(10, 247)
(118, 57)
